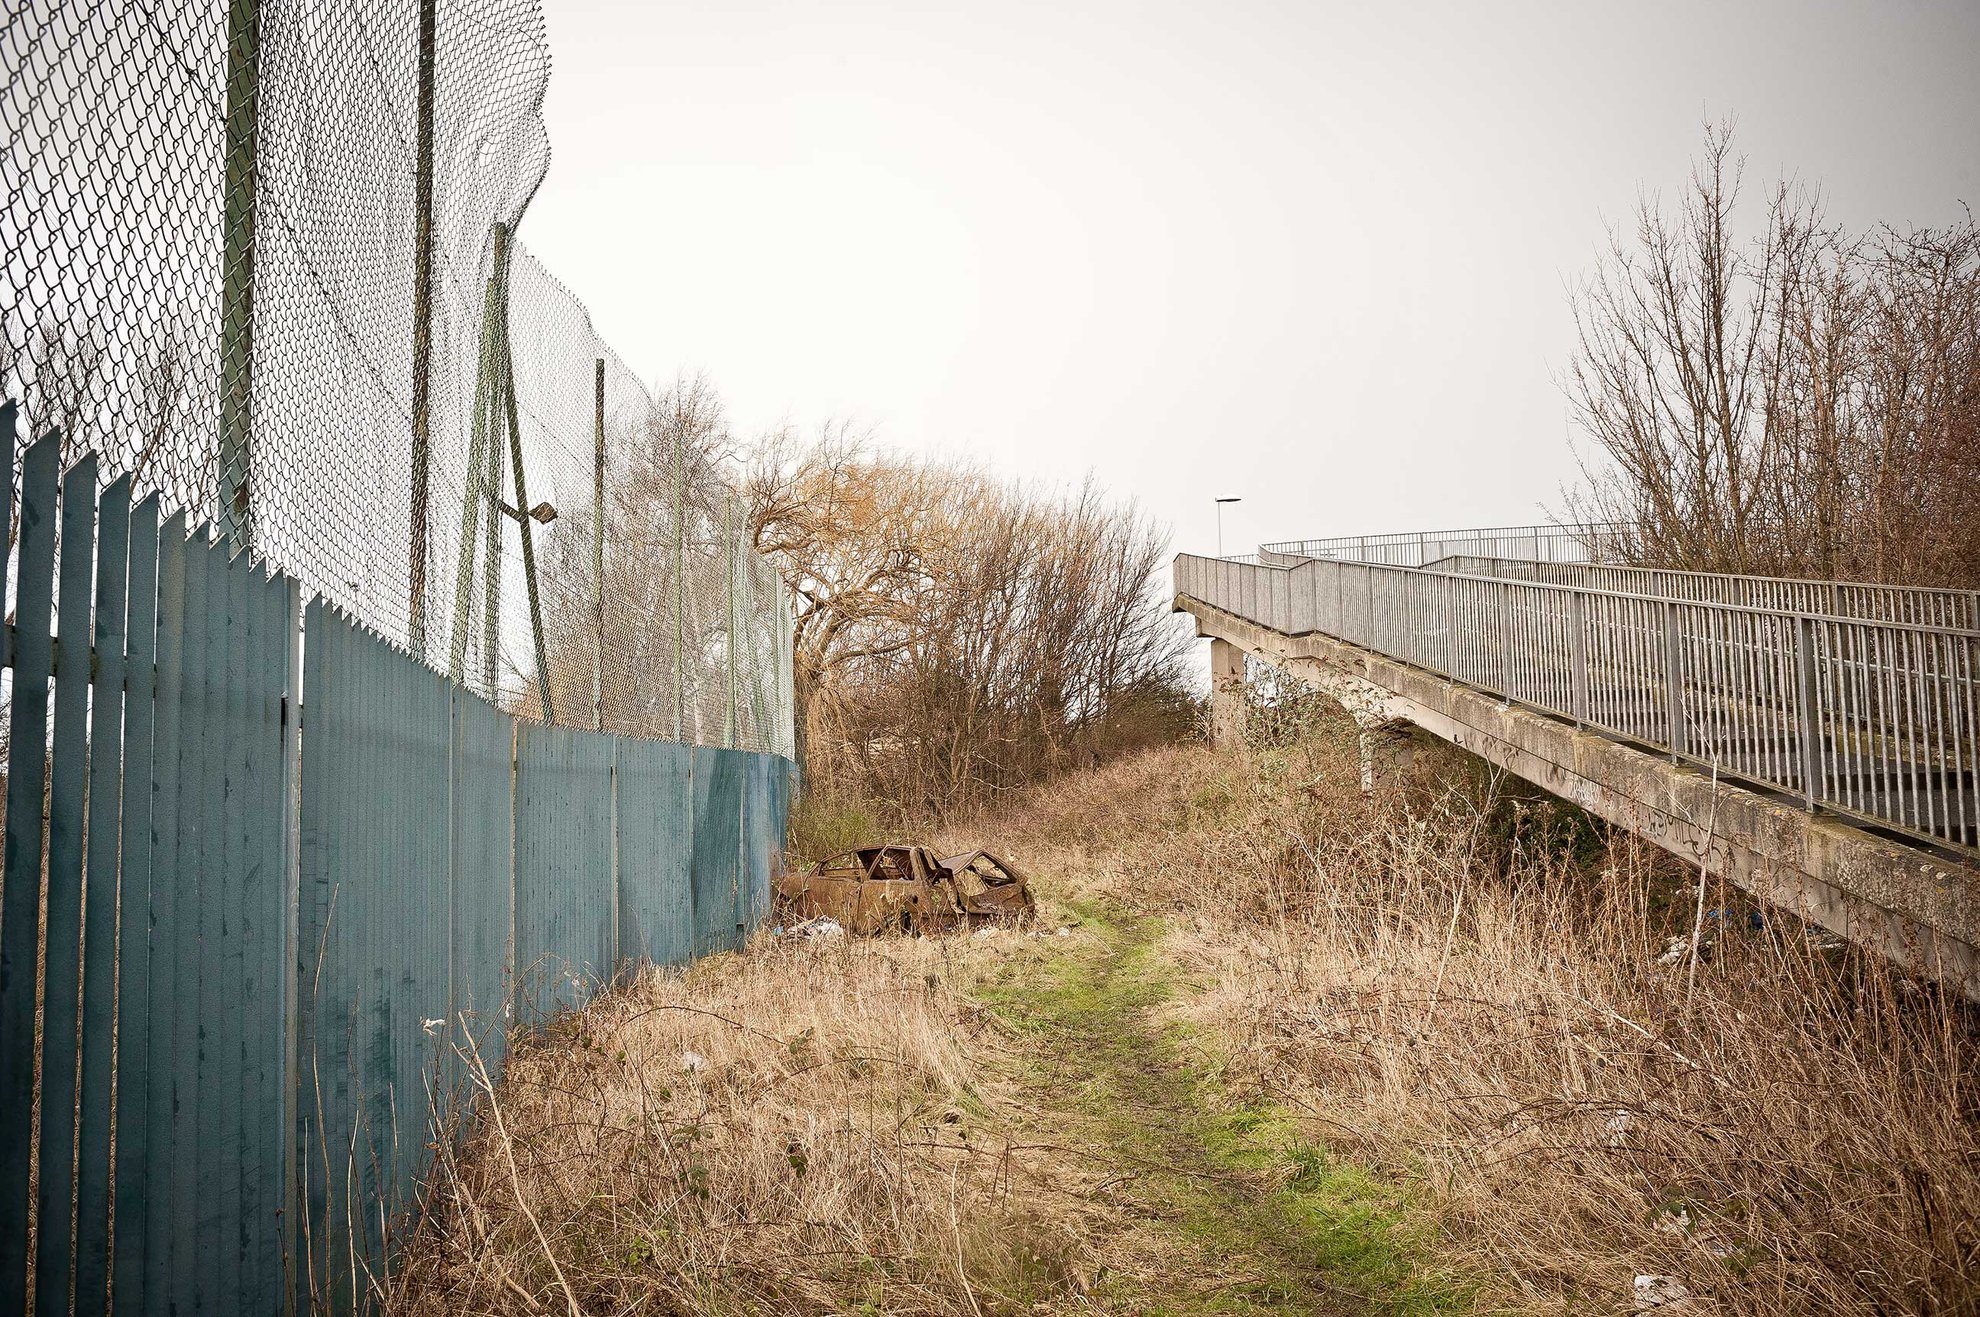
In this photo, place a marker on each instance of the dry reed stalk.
(1786, 1128)
(507, 1145)
(799, 1128)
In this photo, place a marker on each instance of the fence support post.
(522, 508)
(1503, 600)
(1409, 593)
(288, 982)
(1446, 624)
(598, 546)
(1807, 698)
(680, 582)
(241, 134)
(493, 455)
(735, 614)
(422, 331)
(1673, 680)
(1578, 657)
(481, 427)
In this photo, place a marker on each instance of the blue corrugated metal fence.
(268, 882)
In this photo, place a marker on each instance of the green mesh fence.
(264, 256)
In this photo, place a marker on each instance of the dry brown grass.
(1463, 989)
(1455, 987)
(803, 1128)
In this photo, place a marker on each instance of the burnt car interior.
(848, 865)
(980, 864)
(867, 862)
(888, 862)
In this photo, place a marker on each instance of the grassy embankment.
(1298, 1051)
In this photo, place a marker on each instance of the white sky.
(1315, 256)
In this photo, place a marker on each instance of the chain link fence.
(261, 255)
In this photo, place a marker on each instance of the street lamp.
(1220, 522)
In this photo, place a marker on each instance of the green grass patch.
(1297, 1229)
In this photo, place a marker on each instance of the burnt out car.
(988, 886)
(872, 889)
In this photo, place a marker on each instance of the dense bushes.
(959, 636)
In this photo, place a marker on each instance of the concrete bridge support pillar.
(1392, 748)
(1226, 694)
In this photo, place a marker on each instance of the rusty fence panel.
(1821, 690)
(276, 894)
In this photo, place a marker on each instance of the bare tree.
(1797, 402)
(68, 371)
(667, 515)
(957, 636)
(861, 538)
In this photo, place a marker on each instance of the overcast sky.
(1315, 256)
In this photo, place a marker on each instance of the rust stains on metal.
(988, 886)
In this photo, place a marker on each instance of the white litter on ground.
(1678, 949)
(1653, 1292)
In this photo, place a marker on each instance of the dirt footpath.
(1209, 1201)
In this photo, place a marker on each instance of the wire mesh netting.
(213, 226)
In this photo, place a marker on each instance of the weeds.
(1444, 1047)
(782, 1130)
(1451, 982)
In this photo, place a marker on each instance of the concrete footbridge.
(1815, 742)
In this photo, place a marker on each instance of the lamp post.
(1220, 522)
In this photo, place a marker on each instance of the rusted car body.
(872, 889)
(989, 887)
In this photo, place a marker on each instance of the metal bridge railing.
(1591, 542)
(1876, 718)
(1917, 605)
